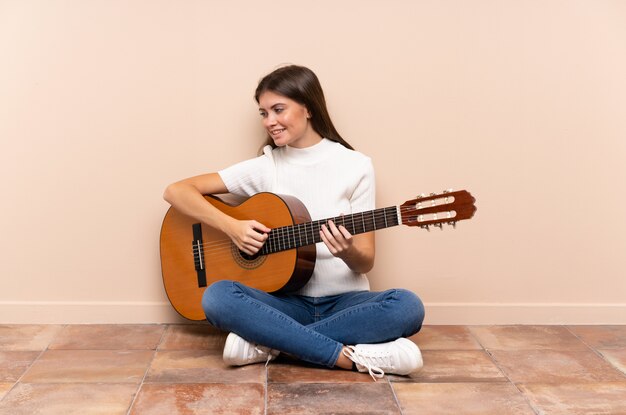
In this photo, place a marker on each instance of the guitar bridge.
(198, 254)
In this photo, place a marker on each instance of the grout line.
(583, 342)
(526, 398)
(266, 387)
(596, 351)
(140, 385)
(163, 335)
(395, 397)
(495, 362)
(18, 381)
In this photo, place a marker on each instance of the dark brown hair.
(301, 85)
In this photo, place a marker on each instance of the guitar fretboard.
(308, 233)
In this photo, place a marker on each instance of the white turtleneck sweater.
(330, 180)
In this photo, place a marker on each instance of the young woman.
(334, 320)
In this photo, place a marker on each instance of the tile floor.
(177, 369)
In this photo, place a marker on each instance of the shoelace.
(365, 361)
(269, 359)
(261, 351)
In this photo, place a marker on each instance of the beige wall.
(103, 103)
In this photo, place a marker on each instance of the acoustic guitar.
(194, 255)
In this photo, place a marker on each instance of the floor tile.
(455, 366)
(617, 358)
(461, 398)
(445, 338)
(198, 366)
(193, 337)
(13, 364)
(527, 338)
(4, 388)
(577, 399)
(97, 369)
(331, 398)
(68, 399)
(602, 337)
(108, 337)
(199, 399)
(27, 336)
(297, 372)
(67, 366)
(551, 366)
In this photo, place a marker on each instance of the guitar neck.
(308, 233)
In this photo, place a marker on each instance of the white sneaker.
(399, 357)
(239, 352)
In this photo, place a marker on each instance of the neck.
(308, 139)
(308, 233)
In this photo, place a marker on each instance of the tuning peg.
(427, 227)
(420, 196)
(439, 225)
(453, 223)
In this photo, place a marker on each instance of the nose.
(269, 120)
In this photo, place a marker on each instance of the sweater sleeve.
(251, 176)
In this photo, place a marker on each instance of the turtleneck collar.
(309, 155)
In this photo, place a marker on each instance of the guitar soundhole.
(246, 261)
(248, 257)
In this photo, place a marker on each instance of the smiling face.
(287, 122)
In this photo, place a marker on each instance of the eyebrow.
(273, 106)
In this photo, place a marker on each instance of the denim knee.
(412, 310)
(215, 299)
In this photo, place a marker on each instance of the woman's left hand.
(337, 239)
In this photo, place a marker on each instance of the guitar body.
(288, 270)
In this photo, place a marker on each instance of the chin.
(280, 142)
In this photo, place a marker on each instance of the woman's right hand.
(248, 235)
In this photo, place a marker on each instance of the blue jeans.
(313, 329)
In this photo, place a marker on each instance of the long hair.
(301, 85)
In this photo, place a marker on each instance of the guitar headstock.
(438, 208)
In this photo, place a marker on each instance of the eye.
(263, 114)
(278, 110)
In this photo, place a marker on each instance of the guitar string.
(290, 233)
(289, 230)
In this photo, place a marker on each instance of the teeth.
(277, 131)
